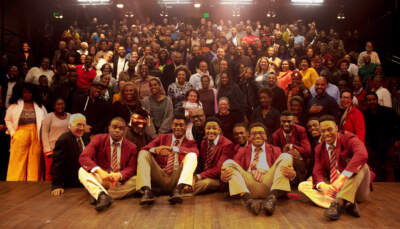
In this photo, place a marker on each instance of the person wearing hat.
(94, 107)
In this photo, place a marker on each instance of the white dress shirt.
(121, 66)
(384, 97)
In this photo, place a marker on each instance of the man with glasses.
(259, 170)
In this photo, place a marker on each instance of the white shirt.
(175, 150)
(384, 97)
(262, 159)
(374, 58)
(195, 81)
(34, 73)
(122, 66)
(9, 92)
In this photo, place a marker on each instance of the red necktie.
(333, 163)
(257, 174)
(114, 158)
(169, 168)
(210, 151)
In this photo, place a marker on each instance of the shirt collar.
(327, 145)
(174, 138)
(253, 148)
(216, 140)
(112, 141)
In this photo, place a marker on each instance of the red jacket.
(187, 146)
(351, 155)
(362, 104)
(85, 78)
(243, 156)
(299, 139)
(355, 124)
(223, 151)
(98, 153)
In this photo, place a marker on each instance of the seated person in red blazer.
(292, 139)
(341, 176)
(214, 151)
(109, 162)
(259, 170)
(240, 135)
(171, 168)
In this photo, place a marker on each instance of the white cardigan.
(14, 112)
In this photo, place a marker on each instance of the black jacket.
(65, 166)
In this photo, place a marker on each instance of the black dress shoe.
(333, 212)
(352, 209)
(104, 201)
(254, 206)
(92, 200)
(147, 197)
(269, 205)
(176, 196)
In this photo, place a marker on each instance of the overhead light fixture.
(164, 13)
(93, 2)
(341, 15)
(236, 12)
(58, 15)
(196, 5)
(120, 5)
(129, 14)
(307, 2)
(271, 14)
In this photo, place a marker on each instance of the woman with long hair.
(261, 72)
(23, 120)
(53, 125)
(285, 75)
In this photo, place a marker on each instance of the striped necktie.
(114, 157)
(210, 151)
(257, 174)
(169, 168)
(333, 164)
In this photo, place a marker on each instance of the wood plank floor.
(29, 205)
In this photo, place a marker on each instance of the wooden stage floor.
(29, 205)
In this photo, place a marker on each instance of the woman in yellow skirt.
(23, 120)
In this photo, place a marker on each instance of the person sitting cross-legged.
(341, 176)
(171, 168)
(109, 162)
(259, 170)
(215, 149)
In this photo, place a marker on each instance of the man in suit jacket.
(292, 139)
(341, 176)
(109, 162)
(214, 151)
(171, 168)
(259, 170)
(65, 166)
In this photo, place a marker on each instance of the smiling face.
(313, 128)
(287, 123)
(181, 77)
(178, 127)
(346, 99)
(320, 86)
(240, 134)
(258, 136)
(116, 129)
(328, 131)
(212, 130)
(155, 87)
(192, 97)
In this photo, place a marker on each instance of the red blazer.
(187, 146)
(243, 156)
(299, 140)
(98, 153)
(362, 104)
(350, 153)
(355, 124)
(223, 151)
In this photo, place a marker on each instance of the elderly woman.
(177, 90)
(159, 106)
(53, 125)
(23, 119)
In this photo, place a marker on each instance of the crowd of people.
(250, 108)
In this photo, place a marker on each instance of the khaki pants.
(243, 181)
(206, 185)
(93, 183)
(149, 173)
(356, 188)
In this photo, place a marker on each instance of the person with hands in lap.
(259, 171)
(109, 165)
(341, 176)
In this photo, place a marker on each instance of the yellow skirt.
(25, 153)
